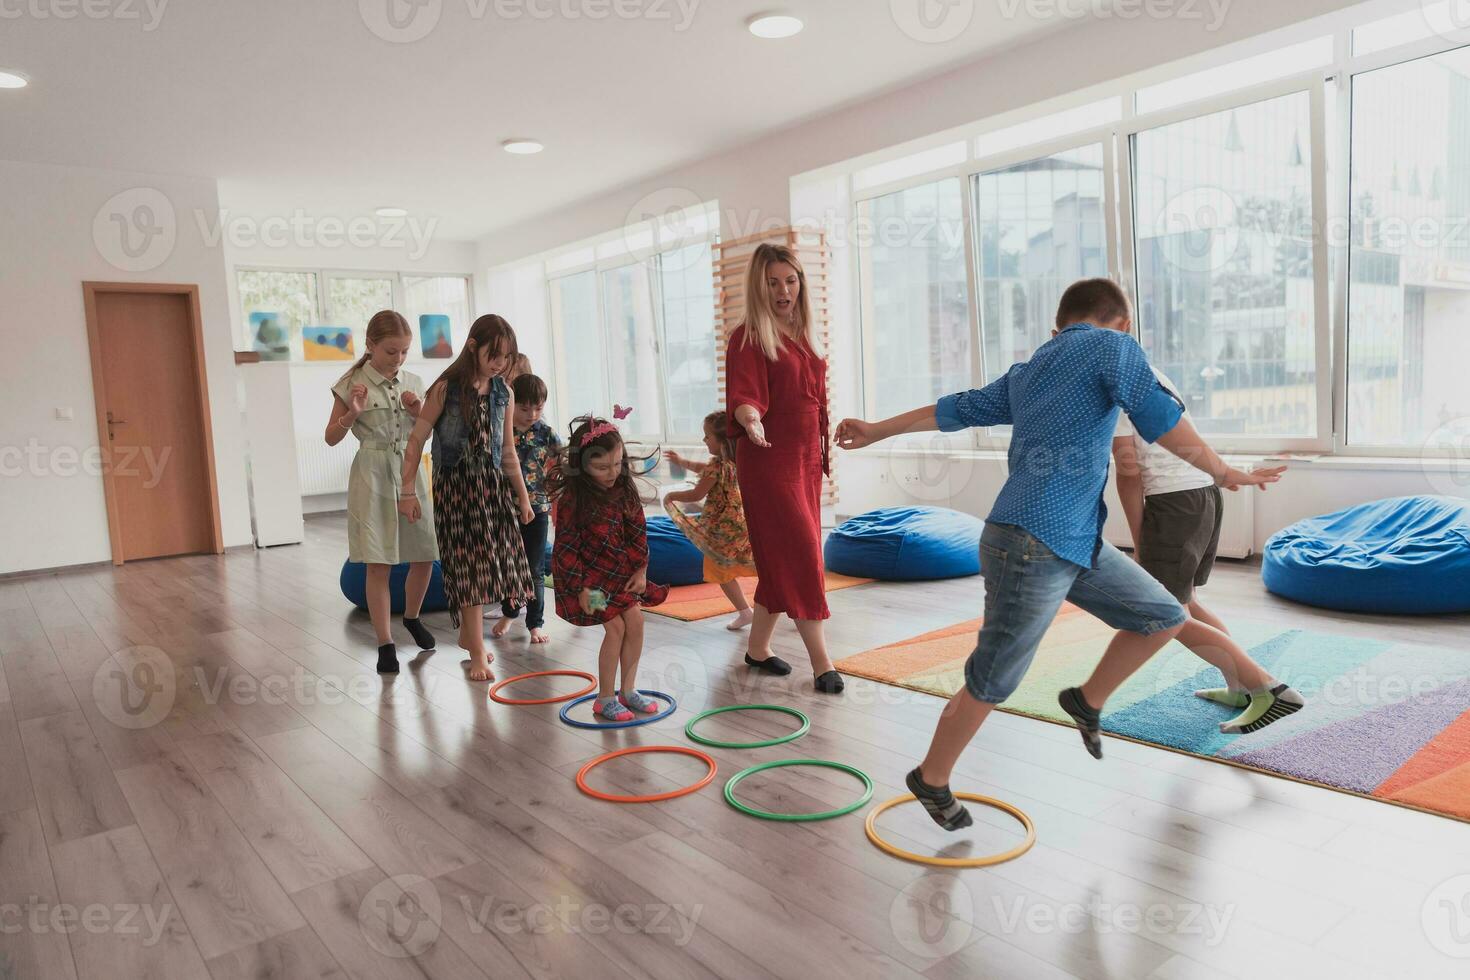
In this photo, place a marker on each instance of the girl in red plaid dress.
(599, 563)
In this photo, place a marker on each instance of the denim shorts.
(1025, 584)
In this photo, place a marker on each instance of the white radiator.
(1237, 530)
(323, 468)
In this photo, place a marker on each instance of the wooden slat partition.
(732, 258)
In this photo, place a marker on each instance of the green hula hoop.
(798, 817)
(806, 724)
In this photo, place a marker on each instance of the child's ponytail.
(384, 324)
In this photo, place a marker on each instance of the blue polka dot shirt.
(1063, 406)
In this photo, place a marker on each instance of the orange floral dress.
(719, 529)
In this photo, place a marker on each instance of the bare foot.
(742, 619)
(501, 627)
(479, 669)
(539, 635)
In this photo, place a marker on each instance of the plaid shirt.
(600, 550)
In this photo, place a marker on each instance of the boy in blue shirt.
(1042, 542)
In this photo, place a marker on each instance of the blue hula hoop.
(566, 709)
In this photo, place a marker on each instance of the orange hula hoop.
(652, 797)
(591, 686)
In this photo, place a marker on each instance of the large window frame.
(620, 253)
(1329, 91)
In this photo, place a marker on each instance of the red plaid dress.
(600, 550)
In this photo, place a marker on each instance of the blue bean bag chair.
(1405, 555)
(906, 544)
(354, 586)
(672, 558)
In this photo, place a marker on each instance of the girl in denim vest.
(480, 498)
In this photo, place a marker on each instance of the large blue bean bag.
(672, 558)
(1402, 555)
(906, 544)
(354, 586)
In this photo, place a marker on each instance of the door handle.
(111, 422)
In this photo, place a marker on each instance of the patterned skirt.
(481, 553)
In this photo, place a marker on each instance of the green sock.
(1226, 696)
(1264, 708)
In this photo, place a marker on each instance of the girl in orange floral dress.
(719, 528)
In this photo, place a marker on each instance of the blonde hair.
(384, 324)
(761, 326)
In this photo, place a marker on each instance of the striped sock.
(940, 803)
(1265, 707)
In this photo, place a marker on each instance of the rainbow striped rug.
(1386, 720)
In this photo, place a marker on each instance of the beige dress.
(376, 534)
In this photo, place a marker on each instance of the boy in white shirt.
(1174, 512)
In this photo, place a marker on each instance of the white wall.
(54, 508)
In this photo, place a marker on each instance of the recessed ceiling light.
(522, 146)
(13, 79)
(774, 25)
(391, 212)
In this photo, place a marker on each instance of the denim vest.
(451, 434)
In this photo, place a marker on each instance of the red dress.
(782, 485)
(600, 550)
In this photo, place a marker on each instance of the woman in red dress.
(776, 378)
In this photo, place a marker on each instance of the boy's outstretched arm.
(1185, 442)
(990, 405)
(855, 433)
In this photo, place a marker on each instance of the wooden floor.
(292, 815)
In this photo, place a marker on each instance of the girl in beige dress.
(378, 402)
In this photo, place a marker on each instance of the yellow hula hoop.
(871, 827)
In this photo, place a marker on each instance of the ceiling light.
(774, 25)
(13, 79)
(391, 212)
(522, 146)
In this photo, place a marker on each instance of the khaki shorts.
(1181, 533)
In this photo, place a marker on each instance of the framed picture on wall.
(328, 343)
(269, 336)
(434, 335)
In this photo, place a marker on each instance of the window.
(437, 296)
(1040, 226)
(1409, 253)
(632, 350)
(936, 158)
(1271, 65)
(575, 322)
(687, 311)
(274, 306)
(1049, 127)
(1224, 257)
(915, 297)
(352, 301)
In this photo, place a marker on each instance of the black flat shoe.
(771, 665)
(829, 683)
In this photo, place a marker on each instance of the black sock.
(419, 632)
(939, 802)
(387, 659)
(1088, 719)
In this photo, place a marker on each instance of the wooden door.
(152, 413)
